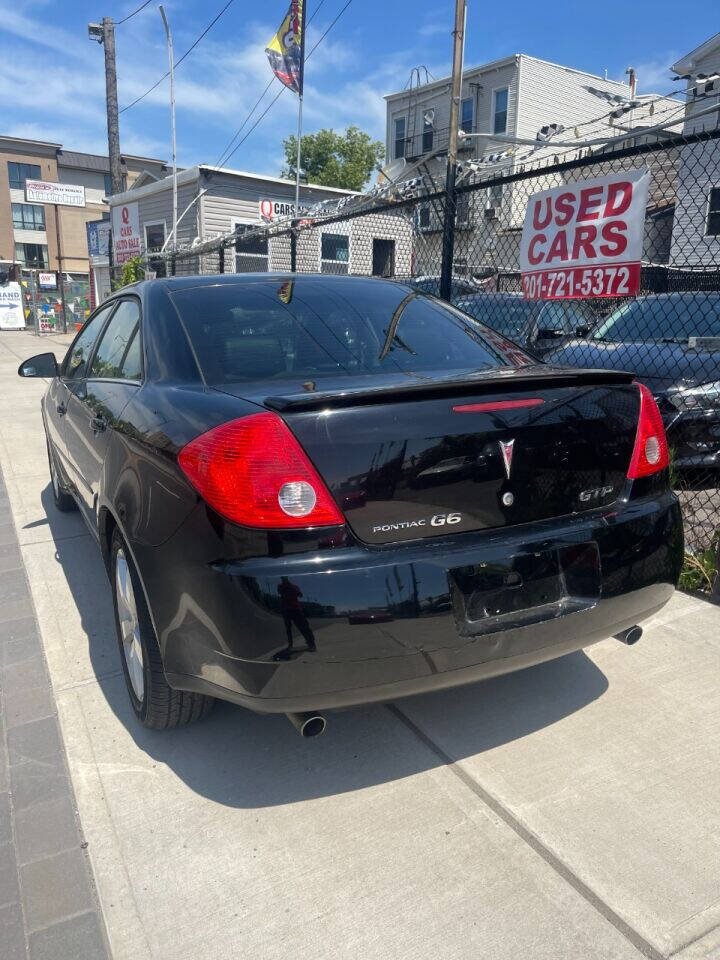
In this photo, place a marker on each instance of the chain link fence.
(668, 335)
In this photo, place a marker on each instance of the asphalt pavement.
(567, 812)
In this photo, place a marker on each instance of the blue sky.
(52, 80)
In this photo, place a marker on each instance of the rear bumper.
(228, 633)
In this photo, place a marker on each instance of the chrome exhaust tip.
(308, 724)
(629, 636)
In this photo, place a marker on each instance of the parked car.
(459, 286)
(534, 324)
(211, 428)
(671, 342)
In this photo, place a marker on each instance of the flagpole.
(301, 86)
(297, 162)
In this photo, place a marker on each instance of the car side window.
(132, 364)
(109, 360)
(75, 363)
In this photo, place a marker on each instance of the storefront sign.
(47, 281)
(585, 239)
(98, 239)
(126, 237)
(64, 194)
(11, 309)
(272, 210)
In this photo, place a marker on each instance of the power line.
(230, 142)
(283, 89)
(190, 49)
(131, 15)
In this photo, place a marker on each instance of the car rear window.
(673, 317)
(310, 328)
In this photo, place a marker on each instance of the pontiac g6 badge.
(506, 449)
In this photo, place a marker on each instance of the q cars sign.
(585, 239)
(272, 210)
(126, 238)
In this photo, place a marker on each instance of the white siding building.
(219, 201)
(696, 230)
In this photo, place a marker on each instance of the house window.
(428, 130)
(399, 138)
(462, 208)
(500, 108)
(712, 224)
(32, 255)
(424, 217)
(495, 194)
(154, 240)
(466, 115)
(18, 173)
(335, 253)
(251, 254)
(107, 184)
(28, 216)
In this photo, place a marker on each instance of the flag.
(286, 50)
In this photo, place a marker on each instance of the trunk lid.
(452, 457)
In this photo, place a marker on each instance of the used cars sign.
(585, 239)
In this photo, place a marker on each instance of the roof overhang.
(686, 63)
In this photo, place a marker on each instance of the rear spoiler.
(511, 380)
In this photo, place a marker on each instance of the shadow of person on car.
(242, 759)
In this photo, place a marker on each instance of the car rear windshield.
(310, 328)
(673, 317)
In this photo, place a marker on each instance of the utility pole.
(171, 60)
(105, 34)
(448, 246)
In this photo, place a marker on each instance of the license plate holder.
(524, 589)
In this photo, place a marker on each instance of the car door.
(72, 373)
(114, 373)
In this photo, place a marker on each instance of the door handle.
(61, 409)
(98, 424)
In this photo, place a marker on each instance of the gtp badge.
(506, 449)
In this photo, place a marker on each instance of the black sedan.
(311, 492)
(672, 343)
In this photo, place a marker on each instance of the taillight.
(650, 453)
(254, 472)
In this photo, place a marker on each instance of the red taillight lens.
(254, 472)
(650, 453)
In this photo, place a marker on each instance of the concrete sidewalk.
(568, 812)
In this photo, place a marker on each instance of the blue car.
(671, 342)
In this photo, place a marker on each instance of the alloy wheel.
(129, 625)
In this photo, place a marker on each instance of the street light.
(171, 59)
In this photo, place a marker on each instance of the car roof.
(242, 279)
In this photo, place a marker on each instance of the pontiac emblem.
(506, 449)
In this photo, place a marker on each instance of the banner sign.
(127, 241)
(64, 194)
(272, 210)
(98, 239)
(285, 50)
(47, 281)
(585, 239)
(11, 308)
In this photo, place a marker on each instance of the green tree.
(334, 159)
(132, 271)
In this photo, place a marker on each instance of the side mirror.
(42, 365)
(582, 330)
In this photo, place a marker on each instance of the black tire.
(64, 501)
(157, 705)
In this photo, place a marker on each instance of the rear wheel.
(154, 701)
(64, 501)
